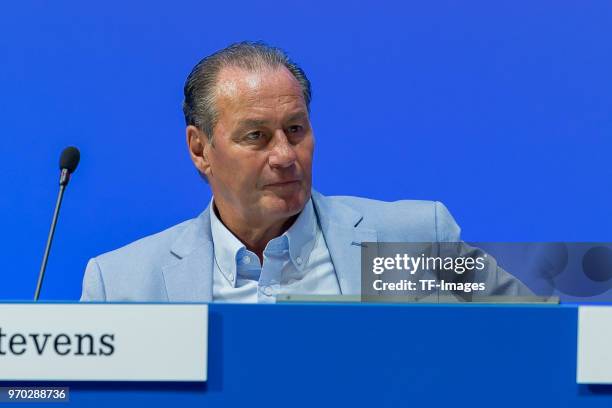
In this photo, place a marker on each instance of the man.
(265, 232)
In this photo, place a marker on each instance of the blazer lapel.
(190, 277)
(343, 236)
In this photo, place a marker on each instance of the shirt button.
(246, 260)
(230, 276)
(267, 290)
(298, 260)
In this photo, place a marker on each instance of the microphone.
(69, 160)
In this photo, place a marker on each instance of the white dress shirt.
(297, 262)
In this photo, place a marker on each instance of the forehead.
(241, 92)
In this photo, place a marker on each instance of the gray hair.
(199, 91)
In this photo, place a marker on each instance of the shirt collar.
(226, 246)
(300, 236)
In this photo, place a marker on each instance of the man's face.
(260, 161)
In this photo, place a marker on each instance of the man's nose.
(283, 153)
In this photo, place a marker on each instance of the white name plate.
(103, 342)
(594, 345)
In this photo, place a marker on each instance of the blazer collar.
(190, 277)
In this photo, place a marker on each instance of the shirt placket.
(275, 256)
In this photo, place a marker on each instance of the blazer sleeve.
(447, 229)
(498, 282)
(93, 285)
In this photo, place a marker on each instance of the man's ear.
(198, 145)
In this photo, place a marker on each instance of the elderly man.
(265, 232)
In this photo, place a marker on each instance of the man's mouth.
(288, 183)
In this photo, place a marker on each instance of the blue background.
(501, 110)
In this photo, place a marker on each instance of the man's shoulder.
(369, 204)
(388, 210)
(419, 218)
(135, 271)
(153, 248)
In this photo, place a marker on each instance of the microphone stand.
(64, 178)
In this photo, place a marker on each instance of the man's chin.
(280, 206)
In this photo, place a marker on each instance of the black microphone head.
(69, 159)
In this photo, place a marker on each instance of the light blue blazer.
(176, 265)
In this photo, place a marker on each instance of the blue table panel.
(299, 355)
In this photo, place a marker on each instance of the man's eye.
(254, 136)
(295, 129)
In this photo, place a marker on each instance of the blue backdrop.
(499, 109)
